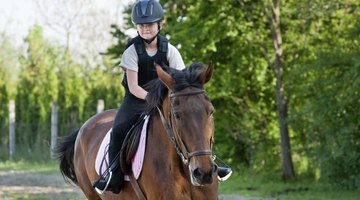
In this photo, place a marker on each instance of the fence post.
(100, 106)
(12, 143)
(54, 128)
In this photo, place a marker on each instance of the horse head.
(190, 114)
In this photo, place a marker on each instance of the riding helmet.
(147, 11)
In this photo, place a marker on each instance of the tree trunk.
(281, 101)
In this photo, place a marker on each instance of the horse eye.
(176, 115)
(211, 112)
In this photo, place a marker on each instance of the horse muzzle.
(201, 175)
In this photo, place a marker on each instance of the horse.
(178, 163)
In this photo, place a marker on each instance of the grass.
(252, 185)
(21, 165)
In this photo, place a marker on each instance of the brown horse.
(178, 163)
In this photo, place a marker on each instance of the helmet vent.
(143, 7)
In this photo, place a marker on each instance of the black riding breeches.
(128, 113)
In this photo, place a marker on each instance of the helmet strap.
(149, 41)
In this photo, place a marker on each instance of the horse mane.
(188, 77)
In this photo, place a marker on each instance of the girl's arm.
(135, 89)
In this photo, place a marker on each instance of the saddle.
(130, 145)
(131, 154)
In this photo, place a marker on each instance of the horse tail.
(65, 154)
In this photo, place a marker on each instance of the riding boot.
(114, 179)
(118, 176)
(126, 116)
(112, 182)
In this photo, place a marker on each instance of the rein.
(182, 151)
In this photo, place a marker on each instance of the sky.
(17, 16)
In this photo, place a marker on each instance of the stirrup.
(223, 168)
(224, 173)
(99, 191)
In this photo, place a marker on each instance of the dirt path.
(22, 184)
(25, 184)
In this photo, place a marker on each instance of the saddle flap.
(135, 156)
(131, 145)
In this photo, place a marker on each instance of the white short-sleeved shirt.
(129, 59)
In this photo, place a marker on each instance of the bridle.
(182, 151)
(180, 146)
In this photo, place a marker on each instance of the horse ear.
(206, 75)
(165, 77)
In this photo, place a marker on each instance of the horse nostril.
(198, 173)
(204, 177)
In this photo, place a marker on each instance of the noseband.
(182, 151)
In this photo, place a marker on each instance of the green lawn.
(46, 167)
(250, 185)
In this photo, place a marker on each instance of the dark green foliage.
(242, 88)
(320, 43)
(325, 93)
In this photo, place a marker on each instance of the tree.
(82, 25)
(62, 17)
(242, 89)
(8, 66)
(313, 52)
(281, 101)
(325, 88)
(37, 88)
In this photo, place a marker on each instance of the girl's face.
(147, 31)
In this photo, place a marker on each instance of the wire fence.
(34, 141)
